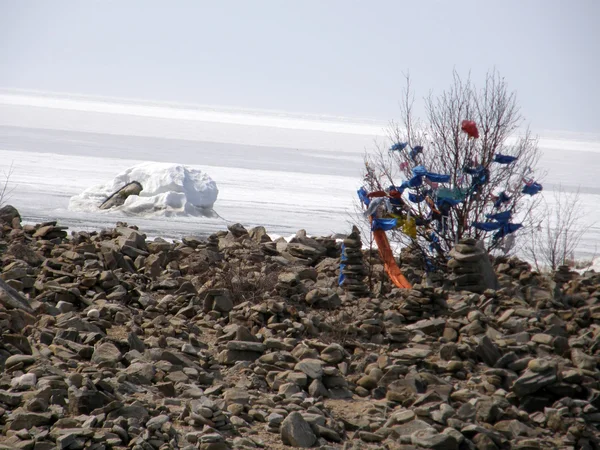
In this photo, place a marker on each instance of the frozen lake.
(283, 172)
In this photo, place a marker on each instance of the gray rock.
(313, 368)
(23, 382)
(323, 298)
(11, 298)
(135, 343)
(317, 389)
(229, 357)
(155, 423)
(10, 398)
(18, 360)
(582, 360)
(412, 353)
(531, 382)
(327, 433)
(118, 198)
(259, 234)
(484, 442)
(140, 373)
(84, 402)
(333, 354)
(64, 441)
(367, 436)
(106, 353)
(295, 431)
(236, 395)
(428, 326)
(488, 352)
(275, 419)
(487, 411)
(28, 420)
(8, 213)
(368, 382)
(221, 300)
(514, 428)
(246, 346)
(411, 427)
(431, 439)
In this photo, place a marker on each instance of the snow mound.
(168, 189)
(594, 266)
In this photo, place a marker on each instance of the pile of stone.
(352, 267)
(563, 274)
(471, 268)
(112, 341)
(412, 263)
(421, 302)
(512, 269)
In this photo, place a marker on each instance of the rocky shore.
(111, 341)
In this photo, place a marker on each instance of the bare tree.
(559, 229)
(439, 144)
(5, 189)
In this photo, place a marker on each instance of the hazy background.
(328, 57)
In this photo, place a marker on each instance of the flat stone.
(403, 416)
(412, 353)
(10, 398)
(246, 346)
(229, 357)
(155, 423)
(28, 420)
(531, 382)
(431, 439)
(409, 428)
(542, 338)
(367, 436)
(15, 360)
(428, 326)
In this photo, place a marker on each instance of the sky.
(330, 57)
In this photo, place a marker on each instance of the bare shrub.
(5, 189)
(339, 326)
(245, 282)
(560, 227)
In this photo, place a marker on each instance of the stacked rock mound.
(512, 268)
(112, 341)
(422, 302)
(412, 263)
(352, 267)
(563, 274)
(471, 267)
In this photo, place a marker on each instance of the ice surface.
(168, 190)
(286, 175)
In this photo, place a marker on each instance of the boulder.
(118, 198)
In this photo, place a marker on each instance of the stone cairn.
(563, 275)
(352, 267)
(422, 302)
(471, 267)
(412, 263)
